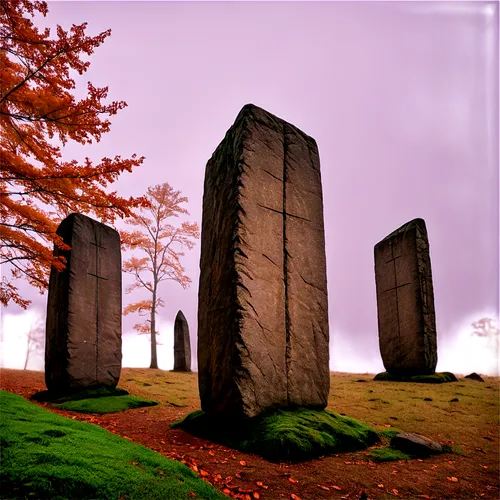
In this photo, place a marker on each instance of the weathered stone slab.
(263, 307)
(405, 301)
(83, 330)
(182, 344)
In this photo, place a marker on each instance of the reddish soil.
(347, 476)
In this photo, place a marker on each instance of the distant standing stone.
(405, 301)
(84, 308)
(182, 344)
(263, 307)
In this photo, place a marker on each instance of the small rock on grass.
(415, 444)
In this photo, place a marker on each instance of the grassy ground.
(44, 455)
(285, 436)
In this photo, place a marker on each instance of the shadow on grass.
(95, 400)
(435, 378)
(284, 435)
(45, 455)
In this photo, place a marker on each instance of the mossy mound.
(435, 378)
(388, 454)
(95, 400)
(284, 435)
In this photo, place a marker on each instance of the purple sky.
(401, 97)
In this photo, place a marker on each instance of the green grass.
(388, 454)
(96, 400)
(284, 435)
(44, 455)
(435, 378)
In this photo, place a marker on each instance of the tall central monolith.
(83, 331)
(263, 306)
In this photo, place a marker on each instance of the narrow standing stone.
(182, 344)
(83, 329)
(263, 307)
(405, 301)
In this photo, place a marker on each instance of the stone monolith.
(263, 306)
(405, 301)
(84, 309)
(182, 344)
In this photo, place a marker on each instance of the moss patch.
(46, 456)
(284, 435)
(388, 454)
(435, 378)
(98, 400)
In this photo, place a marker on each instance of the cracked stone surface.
(84, 309)
(182, 344)
(263, 306)
(405, 301)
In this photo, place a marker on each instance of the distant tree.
(35, 341)
(38, 115)
(161, 244)
(487, 328)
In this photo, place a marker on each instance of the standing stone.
(182, 344)
(262, 305)
(405, 300)
(83, 332)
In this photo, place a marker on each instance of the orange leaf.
(293, 496)
(292, 480)
(452, 479)
(261, 485)
(381, 486)
(242, 462)
(323, 487)
(204, 473)
(211, 453)
(238, 475)
(226, 491)
(338, 488)
(256, 495)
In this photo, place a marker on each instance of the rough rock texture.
(405, 301)
(415, 444)
(263, 305)
(182, 344)
(83, 330)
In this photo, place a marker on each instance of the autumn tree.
(38, 116)
(160, 244)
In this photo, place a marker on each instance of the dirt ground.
(347, 476)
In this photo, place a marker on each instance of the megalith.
(263, 339)
(84, 309)
(182, 344)
(405, 301)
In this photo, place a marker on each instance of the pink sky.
(401, 97)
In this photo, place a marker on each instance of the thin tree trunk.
(154, 359)
(27, 357)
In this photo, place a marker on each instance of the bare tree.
(35, 341)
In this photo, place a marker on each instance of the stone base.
(435, 378)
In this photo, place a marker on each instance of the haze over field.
(402, 99)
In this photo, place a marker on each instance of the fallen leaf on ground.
(292, 480)
(256, 495)
(242, 462)
(452, 479)
(204, 473)
(323, 487)
(380, 486)
(338, 488)
(261, 485)
(211, 453)
(426, 497)
(293, 496)
(238, 475)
